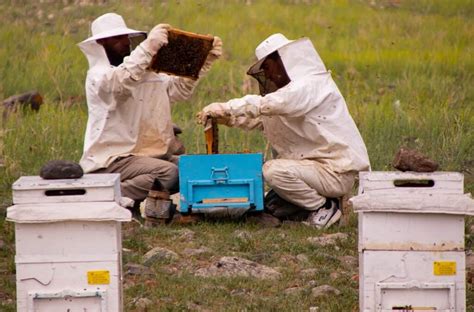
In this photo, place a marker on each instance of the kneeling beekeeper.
(129, 130)
(318, 148)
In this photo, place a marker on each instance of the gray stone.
(2, 244)
(234, 266)
(302, 258)
(196, 252)
(349, 262)
(327, 239)
(293, 290)
(143, 304)
(309, 272)
(312, 283)
(324, 290)
(242, 235)
(159, 253)
(186, 235)
(61, 169)
(471, 229)
(137, 269)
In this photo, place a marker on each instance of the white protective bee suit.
(319, 148)
(129, 129)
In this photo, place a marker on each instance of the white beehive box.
(411, 241)
(68, 243)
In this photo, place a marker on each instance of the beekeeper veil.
(299, 58)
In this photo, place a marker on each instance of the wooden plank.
(225, 200)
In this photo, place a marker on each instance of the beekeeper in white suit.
(129, 130)
(318, 148)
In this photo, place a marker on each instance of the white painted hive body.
(68, 243)
(411, 241)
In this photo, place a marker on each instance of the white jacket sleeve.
(117, 83)
(180, 88)
(245, 123)
(293, 100)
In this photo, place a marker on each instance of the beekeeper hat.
(110, 25)
(267, 47)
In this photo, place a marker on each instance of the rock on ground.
(186, 235)
(302, 258)
(324, 290)
(349, 261)
(242, 235)
(137, 269)
(234, 266)
(159, 253)
(143, 304)
(309, 272)
(61, 169)
(327, 239)
(412, 160)
(196, 251)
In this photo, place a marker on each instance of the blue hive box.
(221, 181)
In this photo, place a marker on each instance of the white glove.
(219, 111)
(213, 55)
(216, 50)
(157, 38)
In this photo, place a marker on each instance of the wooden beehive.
(184, 55)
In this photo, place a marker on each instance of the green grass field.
(405, 68)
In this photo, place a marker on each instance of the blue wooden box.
(230, 181)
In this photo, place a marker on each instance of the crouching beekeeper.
(318, 148)
(129, 130)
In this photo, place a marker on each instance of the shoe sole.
(335, 217)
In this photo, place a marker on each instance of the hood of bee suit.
(105, 26)
(299, 57)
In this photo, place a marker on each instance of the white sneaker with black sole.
(325, 217)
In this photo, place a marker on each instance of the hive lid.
(396, 182)
(416, 203)
(88, 180)
(57, 212)
(89, 188)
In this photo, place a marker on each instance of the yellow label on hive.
(444, 268)
(98, 277)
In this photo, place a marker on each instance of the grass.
(404, 67)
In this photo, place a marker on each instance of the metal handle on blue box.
(215, 171)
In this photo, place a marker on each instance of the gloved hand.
(213, 55)
(157, 37)
(216, 50)
(219, 111)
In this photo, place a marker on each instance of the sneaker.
(280, 208)
(325, 217)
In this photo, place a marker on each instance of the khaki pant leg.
(137, 174)
(306, 183)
